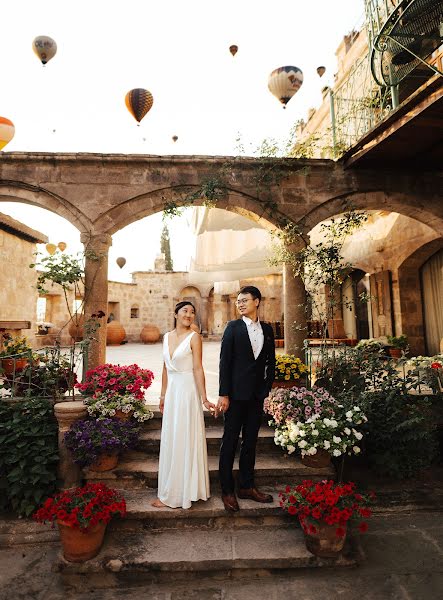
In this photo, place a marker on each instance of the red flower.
(436, 365)
(292, 510)
(312, 529)
(340, 532)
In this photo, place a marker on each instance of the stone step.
(208, 514)
(156, 421)
(136, 470)
(147, 556)
(150, 440)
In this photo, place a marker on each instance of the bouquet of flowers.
(86, 439)
(116, 380)
(327, 503)
(83, 507)
(335, 435)
(105, 405)
(288, 367)
(288, 404)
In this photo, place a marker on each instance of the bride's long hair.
(179, 306)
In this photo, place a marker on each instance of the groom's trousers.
(244, 417)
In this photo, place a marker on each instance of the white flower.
(349, 414)
(302, 443)
(356, 449)
(326, 445)
(336, 439)
(347, 430)
(326, 421)
(333, 423)
(315, 432)
(358, 435)
(290, 449)
(302, 433)
(336, 453)
(312, 451)
(357, 409)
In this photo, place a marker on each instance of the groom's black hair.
(251, 289)
(182, 304)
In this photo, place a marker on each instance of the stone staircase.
(153, 545)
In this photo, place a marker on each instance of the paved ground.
(403, 560)
(149, 356)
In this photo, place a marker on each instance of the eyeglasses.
(240, 302)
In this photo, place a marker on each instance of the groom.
(247, 367)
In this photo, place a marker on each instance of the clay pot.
(395, 352)
(318, 461)
(121, 416)
(75, 328)
(150, 334)
(105, 462)
(324, 542)
(115, 333)
(289, 384)
(79, 546)
(13, 365)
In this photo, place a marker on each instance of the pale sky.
(177, 50)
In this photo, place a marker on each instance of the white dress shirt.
(256, 336)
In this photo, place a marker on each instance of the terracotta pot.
(79, 546)
(121, 416)
(115, 333)
(289, 384)
(319, 460)
(75, 328)
(11, 365)
(395, 352)
(150, 334)
(324, 542)
(105, 462)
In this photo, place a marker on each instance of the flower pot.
(43, 330)
(122, 416)
(115, 333)
(288, 384)
(150, 334)
(79, 546)
(321, 539)
(11, 365)
(319, 460)
(105, 462)
(395, 352)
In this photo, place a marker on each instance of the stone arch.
(138, 207)
(15, 191)
(414, 205)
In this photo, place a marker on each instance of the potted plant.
(104, 405)
(398, 345)
(324, 510)
(47, 375)
(97, 443)
(43, 327)
(82, 515)
(297, 404)
(117, 380)
(289, 371)
(15, 354)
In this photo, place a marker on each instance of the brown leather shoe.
(230, 502)
(255, 494)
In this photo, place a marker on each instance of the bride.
(183, 475)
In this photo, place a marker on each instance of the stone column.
(67, 413)
(96, 292)
(294, 302)
(204, 316)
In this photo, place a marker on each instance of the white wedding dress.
(183, 475)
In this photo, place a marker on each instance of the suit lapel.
(245, 333)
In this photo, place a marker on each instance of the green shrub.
(28, 454)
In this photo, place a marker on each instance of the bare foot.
(158, 503)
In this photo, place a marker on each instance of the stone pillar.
(294, 302)
(96, 292)
(67, 413)
(204, 316)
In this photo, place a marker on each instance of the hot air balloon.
(51, 248)
(7, 131)
(62, 246)
(233, 49)
(44, 47)
(174, 138)
(321, 71)
(139, 102)
(121, 261)
(284, 82)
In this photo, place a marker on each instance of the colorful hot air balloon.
(174, 138)
(321, 71)
(44, 47)
(7, 131)
(51, 248)
(121, 261)
(139, 102)
(62, 246)
(233, 49)
(284, 82)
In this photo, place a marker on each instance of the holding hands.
(211, 407)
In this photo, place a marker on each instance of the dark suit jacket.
(243, 378)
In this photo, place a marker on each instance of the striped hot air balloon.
(139, 102)
(284, 82)
(7, 131)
